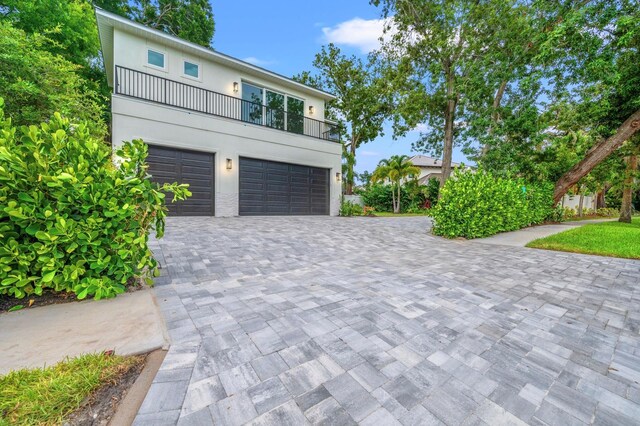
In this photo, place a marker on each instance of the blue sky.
(285, 35)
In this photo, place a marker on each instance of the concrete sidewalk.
(522, 237)
(129, 324)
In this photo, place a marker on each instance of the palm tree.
(395, 169)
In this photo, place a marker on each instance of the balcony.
(140, 85)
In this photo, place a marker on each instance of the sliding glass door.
(272, 109)
(295, 115)
(275, 110)
(252, 103)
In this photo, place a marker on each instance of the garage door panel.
(168, 165)
(196, 171)
(162, 152)
(277, 177)
(300, 182)
(273, 188)
(252, 187)
(273, 166)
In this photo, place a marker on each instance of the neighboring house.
(429, 168)
(248, 141)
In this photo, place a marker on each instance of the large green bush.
(475, 204)
(70, 220)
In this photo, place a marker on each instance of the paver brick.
(268, 394)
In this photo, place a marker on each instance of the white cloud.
(369, 153)
(363, 34)
(421, 127)
(259, 62)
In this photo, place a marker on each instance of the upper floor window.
(272, 109)
(156, 58)
(191, 69)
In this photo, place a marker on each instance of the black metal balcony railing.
(141, 85)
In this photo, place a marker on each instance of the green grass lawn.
(606, 239)
(389, 214)
(46, 396)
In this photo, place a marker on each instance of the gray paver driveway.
(374, 321)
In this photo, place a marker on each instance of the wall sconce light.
(229, 163)
(338, 177)
(236, 86)
(312, 109)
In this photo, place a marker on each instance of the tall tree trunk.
(350, 165)
(596, 154)
(393, 198)
(627, 191)
(580, 204)
(398, 210)
(495, 115)
(600, 199)
(449, 119)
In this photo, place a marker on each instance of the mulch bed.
(99, 408)
(52, 298)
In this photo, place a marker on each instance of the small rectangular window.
(155, 58)
(191, 69)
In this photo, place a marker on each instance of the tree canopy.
(191, 20)
(362, 104)
(69, 26)
(543, 90)
(37, 83)
(443, 56)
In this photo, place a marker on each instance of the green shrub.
(557, 214)
(433, 190)
(569, 213)
(475, 204)
(70, 220)
(349, 208)
(379, 197)
(607, 212)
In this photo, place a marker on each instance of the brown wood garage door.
(272, 188)
(182, 166)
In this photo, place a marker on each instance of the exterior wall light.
(338, 177)
(229, 164)
(312, 109)
(236, 87)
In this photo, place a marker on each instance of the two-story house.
(248, 141)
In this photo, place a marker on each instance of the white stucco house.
(248, 141)
(429, 167)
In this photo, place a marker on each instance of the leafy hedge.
(475, 204)
(378, 196)
(70, 220)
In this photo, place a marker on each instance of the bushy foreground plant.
(349, 208)
(475, 204)
(70, 220)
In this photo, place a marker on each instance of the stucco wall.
(130, 51)
(174, 127)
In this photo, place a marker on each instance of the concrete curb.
(128, 409)
(129, 324)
